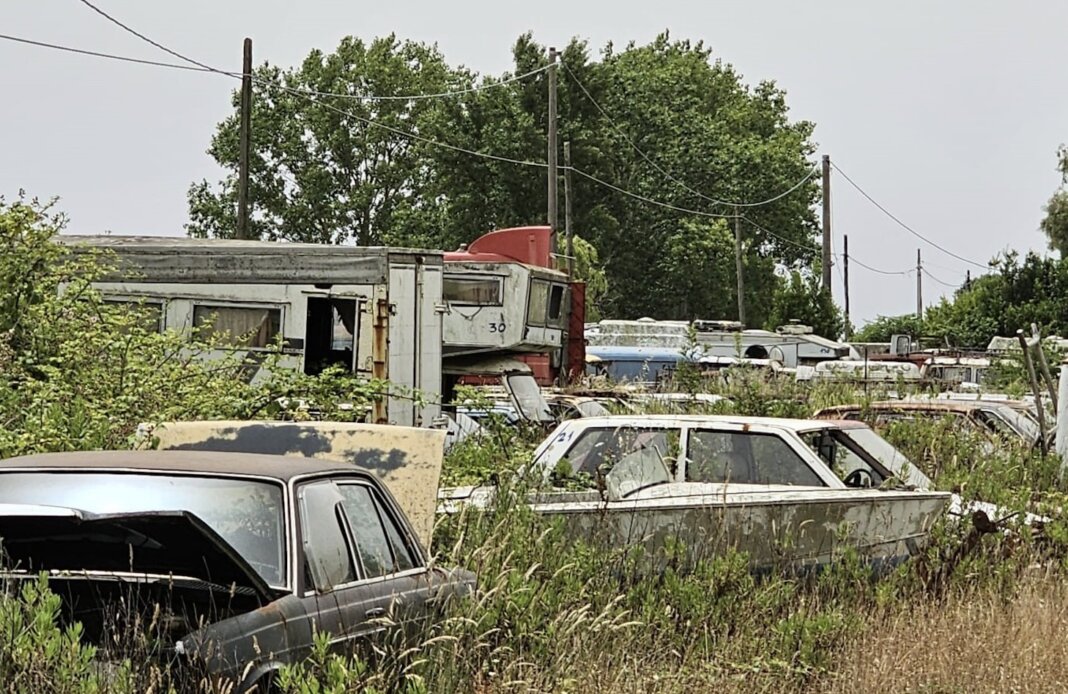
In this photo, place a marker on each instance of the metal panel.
(407, 460)
(219, 261)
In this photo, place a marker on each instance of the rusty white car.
(238, 559)
(786, 492)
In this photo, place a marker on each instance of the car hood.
(175, 545)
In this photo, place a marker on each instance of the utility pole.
(845, 281)
(827, 222)
(552, 148)
(738, 265)
(568, 192)
(919, 286)
(246, 136)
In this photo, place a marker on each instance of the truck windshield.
(247, 514)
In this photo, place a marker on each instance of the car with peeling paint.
(237, 559)
(994, 421)
(786, 492)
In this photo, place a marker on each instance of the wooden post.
(568, 192)
(245, 142)
(1043, 366)
(919, 286)
(827, 222)
(1034, 389)
(738, 265)
(845, 282)
(553, 173)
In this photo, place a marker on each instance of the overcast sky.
(948, 113)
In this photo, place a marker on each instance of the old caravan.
(375, 310)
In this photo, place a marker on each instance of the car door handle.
(374, 612)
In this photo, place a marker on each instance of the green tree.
(1055, 223)
(880, 329)
(800, 297)
(332, 169)
(707, 138)
(588, 269)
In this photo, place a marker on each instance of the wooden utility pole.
(827, 222)
(568, 192)
(845, 282)
(919, 286)
(738, 268)
(246, 137)
(552, 147)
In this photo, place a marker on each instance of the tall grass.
(553, 614)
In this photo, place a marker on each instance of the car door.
(389, 558)
(337, 598)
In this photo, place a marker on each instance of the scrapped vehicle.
(992, 420)
(786, 492)
(238, 559)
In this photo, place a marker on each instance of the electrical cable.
(109, 56)
(945, 284)
(681, 184)
(904, 226)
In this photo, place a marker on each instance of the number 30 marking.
(497, 327)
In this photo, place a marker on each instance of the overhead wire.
(361, 97)
(946, 284)
(574, 78)
(109, 56)
(197, 66)
(904, 226)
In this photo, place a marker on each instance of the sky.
(947, 113)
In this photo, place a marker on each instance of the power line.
(309, 96)
(109, 56)
(681, 184)
(903, 273)
(361, 97)
(904, 226)
(439, 95)
(146, 39)
(651, 201)
(413, 136)
(807, 249)
(947, 284)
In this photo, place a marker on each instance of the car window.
(326, 548)
(379, 542)
(833, 448)
(607, 446)
(745, 458)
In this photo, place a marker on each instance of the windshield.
(245, 513)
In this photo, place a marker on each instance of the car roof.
(920, 405)
(668, 419)
(282, 468)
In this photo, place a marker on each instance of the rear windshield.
(247, 514)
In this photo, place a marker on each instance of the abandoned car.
(245, 556)
(786, 492)
(991, 420)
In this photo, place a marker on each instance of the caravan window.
(239, 326)
(472, 291)
(538, 307)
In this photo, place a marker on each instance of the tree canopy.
(331, 164)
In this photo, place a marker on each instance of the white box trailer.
(376, 310)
